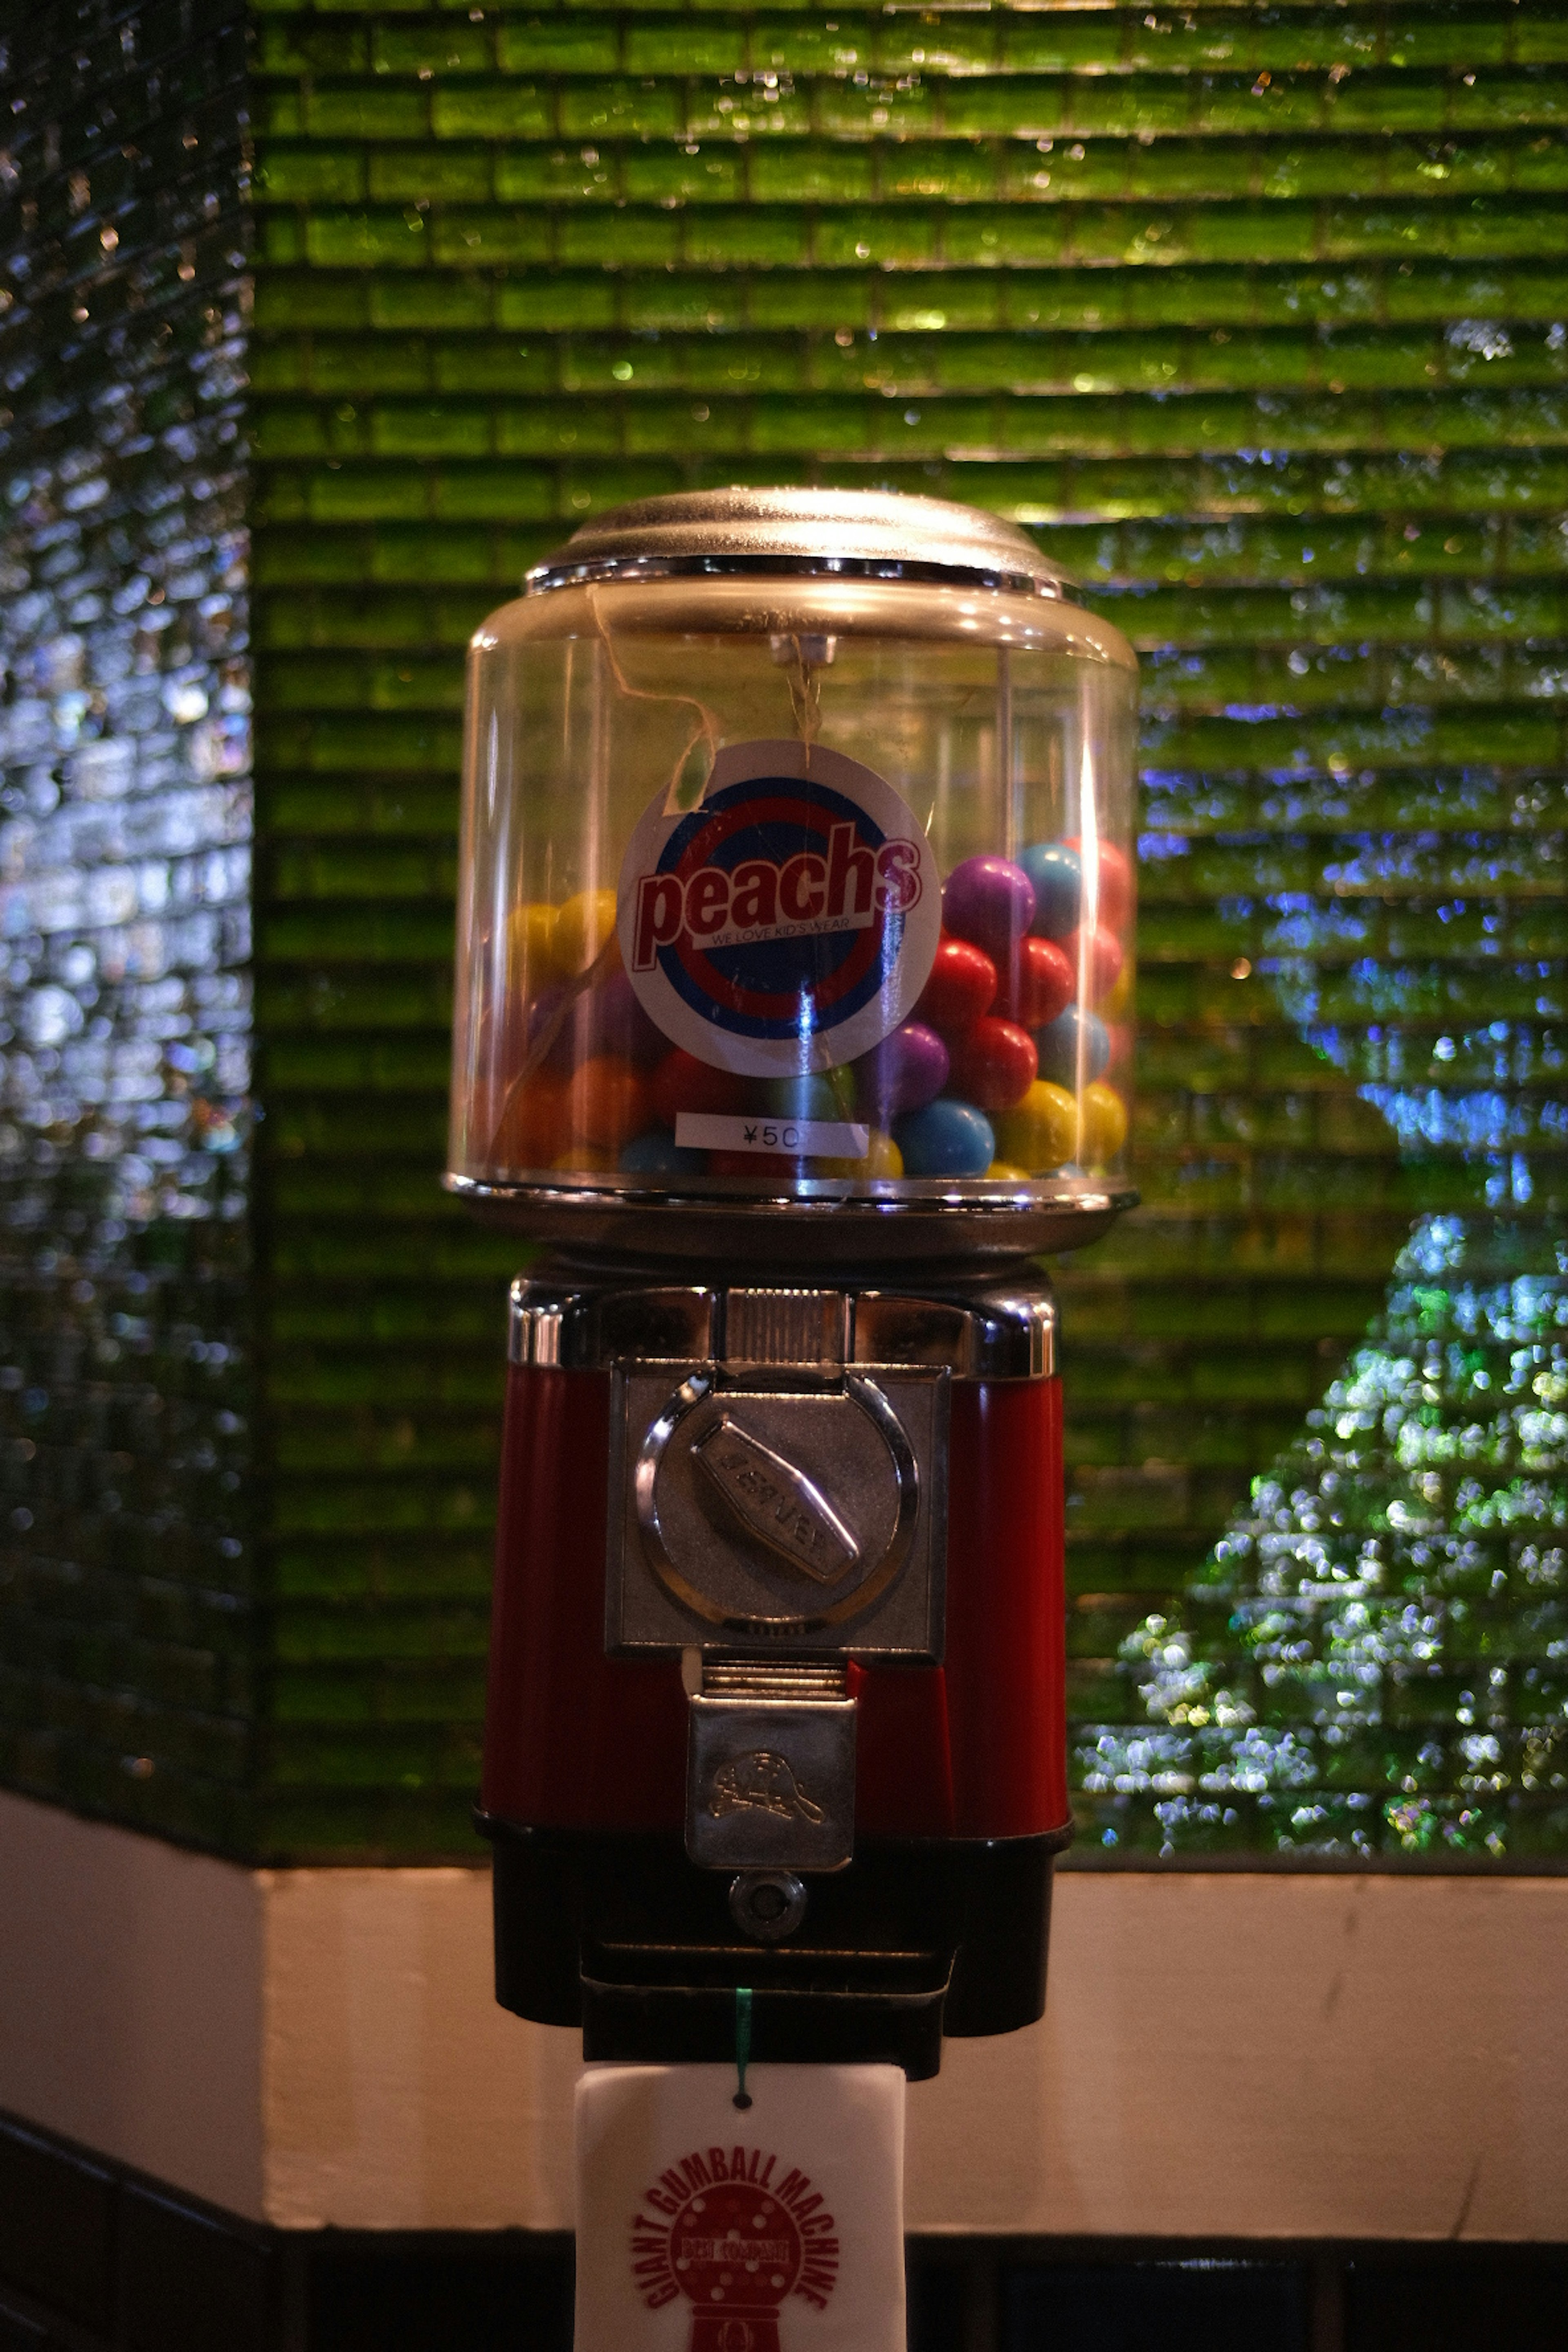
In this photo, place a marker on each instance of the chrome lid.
(849, 534)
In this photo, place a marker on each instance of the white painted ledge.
(1224, 2055)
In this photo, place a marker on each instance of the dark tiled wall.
(127, 1562)
(1260, 317)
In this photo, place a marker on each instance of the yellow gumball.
(531, 935)
(582, 927)
(1104, 1122)
(1002, 1172)
(882, 1158)
(1039, 1132)
(1117, 1002)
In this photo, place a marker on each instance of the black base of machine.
(624, 1936)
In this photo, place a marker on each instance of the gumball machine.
(793, 989)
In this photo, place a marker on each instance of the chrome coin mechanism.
(763, 1515)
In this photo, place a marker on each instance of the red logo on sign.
(720, 2229)
(761, 899)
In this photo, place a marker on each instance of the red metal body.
(973, 1748)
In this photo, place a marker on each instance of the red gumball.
(1106, 873)
(753, 1163)
(683, 1083)
(1039, 986)
(962, 985)
(994, 1064)
(1120, 1061)
(1102, 954)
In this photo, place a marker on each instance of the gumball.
(1098, 952)
(1107, 870)
(533, 1123)
(607, 1101)
(617, 1022)
(581, 928)
(1041, 1132)
(1119, 1057)
(908, 1068)
(773, 1164)
(1117, 1002)
(1002, 1172)
(654, 1153)
(1102, 1124)
(993, 1063)
(541, 1009)
(683, 1083)
(1058, 1047)
(552, 1009)
(821, 1094)
(961, 986)
(1055, 874)
(946, 1139)
(882, 1158)
(990, 901)
(530, 931)
(604, 1019)
(587, 1159)
(1038, 983)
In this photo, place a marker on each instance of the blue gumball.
(946, 1139)
(1057, 873)
(1058, 1047)
(656, 1153)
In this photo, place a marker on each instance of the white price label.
(814, 1139)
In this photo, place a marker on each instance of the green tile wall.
(1260, 316)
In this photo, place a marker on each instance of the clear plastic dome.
(796, 873)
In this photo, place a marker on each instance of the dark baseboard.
(95, 2258)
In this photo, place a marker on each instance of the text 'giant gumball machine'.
(793, 1016)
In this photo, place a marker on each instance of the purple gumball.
(619, 1024)
(908, 1069)
(990, 901)
(543, 1013)
(606, 1019)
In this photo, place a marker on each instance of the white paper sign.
(789, 921)
(706, 2228)
(825, 1139)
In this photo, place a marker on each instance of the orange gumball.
(607, 1101)
(586, 1160)
(533, 1125)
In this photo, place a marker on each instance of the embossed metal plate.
(771, 1784)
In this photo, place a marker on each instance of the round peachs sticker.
(786, 923)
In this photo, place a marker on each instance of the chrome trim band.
(592, 570)
(991, 1331)
(818, 1196)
